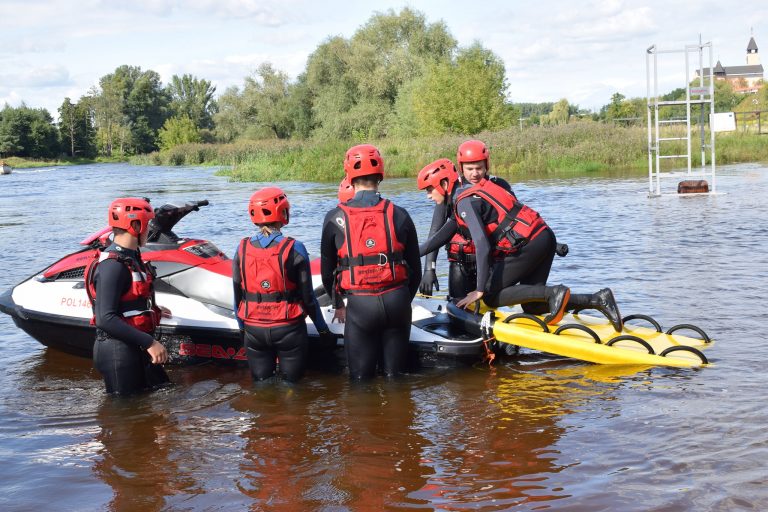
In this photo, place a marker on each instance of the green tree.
(28, 132)
(533, 109)
(107, 103)
(146, 106)
(393, 48)
(352, 85)
(266, 99)
(10, 140)
(349, 88)
(299, 106)
(231, 117)
(262, 110)
(466, 95)
(560, 112)
(68, 124)
(76, 128)
(130, 107)
(624, 110)
(726, 99)
(43, 135)
(192, 97)
(178, 130)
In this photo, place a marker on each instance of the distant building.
(744, 79)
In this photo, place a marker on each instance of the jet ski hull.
(194, 285)
(190, 342)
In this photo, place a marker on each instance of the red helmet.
(472, 151)
(123, 211)
(363, 160)
(269, 205)
(346, 191)
(437, 171)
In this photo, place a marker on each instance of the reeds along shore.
(576, 148)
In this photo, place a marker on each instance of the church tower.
(753, 59)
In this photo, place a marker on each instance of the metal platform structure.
(702, 94)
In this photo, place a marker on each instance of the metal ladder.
(705, 94)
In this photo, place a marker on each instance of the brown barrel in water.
(692, 187)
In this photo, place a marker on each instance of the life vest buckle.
(383, 260)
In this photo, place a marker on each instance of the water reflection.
(495, 436)
(339, 444)
(136, 456)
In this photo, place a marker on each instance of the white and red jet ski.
(194, 282)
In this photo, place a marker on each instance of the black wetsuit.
(462, 275)
(119, 352)
(377, 326)
(288, 342)
(519, 278)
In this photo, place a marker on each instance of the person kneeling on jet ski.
(273, 292)
(442, 176)
(119, 285)
(369, 253)
(514, 251)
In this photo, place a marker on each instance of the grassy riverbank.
(572, 149)
(28, 163)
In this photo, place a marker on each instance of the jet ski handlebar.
(198, 204)
(167, 216)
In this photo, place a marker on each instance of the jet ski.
(194, 285)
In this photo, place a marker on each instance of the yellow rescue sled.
(590, 339)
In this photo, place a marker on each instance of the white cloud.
(12, 98)
(551, 49)
(272, 14)
(34, 45)
(619, 27)
(45, 76)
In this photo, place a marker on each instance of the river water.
(535, 433)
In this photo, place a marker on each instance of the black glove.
(428, 280)
(327, 340)
(561, 250)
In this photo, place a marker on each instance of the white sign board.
(723, 122)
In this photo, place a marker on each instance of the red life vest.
(371, 259)
(516, 224)
(461, 248)
(137, 306)
(270, 298)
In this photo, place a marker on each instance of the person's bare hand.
(340, 315)
(471, 298)
(158, 353)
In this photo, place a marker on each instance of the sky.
(583, 50)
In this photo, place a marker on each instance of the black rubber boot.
(557, 298)
(604, 302)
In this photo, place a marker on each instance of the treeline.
(397, 76)
(130, 112)
(634, 110)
